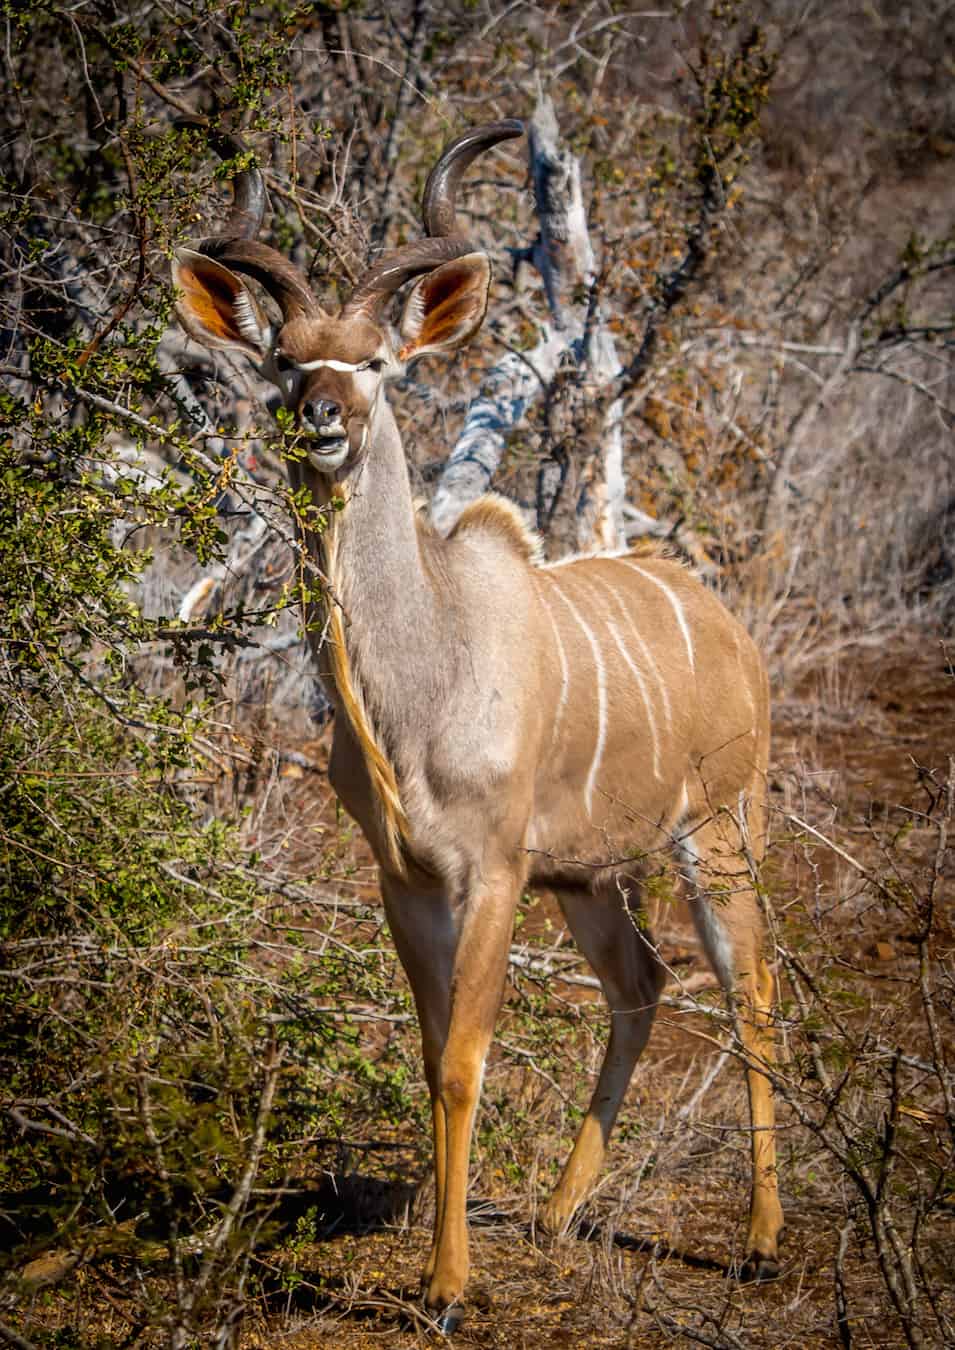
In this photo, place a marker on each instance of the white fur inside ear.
(248, 319)
(446, 307)
(412, 320)
(216, 307)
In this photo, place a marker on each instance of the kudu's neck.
(392, 622)
(378, 636)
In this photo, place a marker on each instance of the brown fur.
(496, 515)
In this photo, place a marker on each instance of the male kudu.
(499, 721)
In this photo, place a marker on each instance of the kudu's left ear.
(446, 307)
(215, 307)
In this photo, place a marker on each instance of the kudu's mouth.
(327, 453)
(329, 446)
(327, 438)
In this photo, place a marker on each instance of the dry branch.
(564, 257)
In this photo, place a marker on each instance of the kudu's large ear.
(215, 307)
(446, 307)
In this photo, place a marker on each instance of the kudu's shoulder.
(501, 518)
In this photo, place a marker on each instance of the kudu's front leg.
(455, 956)
(425, 932)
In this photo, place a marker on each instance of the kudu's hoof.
(448, 1321)
(758, 1269)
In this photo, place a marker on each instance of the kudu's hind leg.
(607, 929)
(728, 919)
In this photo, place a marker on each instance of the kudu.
(501, 721)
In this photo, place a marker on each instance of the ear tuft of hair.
(496, 515)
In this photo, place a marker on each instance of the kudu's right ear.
(446, 307)
(215, 307)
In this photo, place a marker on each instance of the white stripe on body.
(683, 844)
(674, 603)
(647, 657)
(601, 700)
(564, 669)
(641, 685)
(743, 680)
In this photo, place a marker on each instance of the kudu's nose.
(320, 412)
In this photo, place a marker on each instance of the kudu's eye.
(283, 364)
